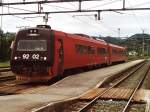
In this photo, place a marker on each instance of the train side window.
(80, 48)
(77, 48)
(91, 50)
(83, 49)
(120, 53)
(105, 51)
(114, 51)
(101, 51)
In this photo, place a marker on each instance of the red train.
(41, 53)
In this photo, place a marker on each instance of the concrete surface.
(70, 87)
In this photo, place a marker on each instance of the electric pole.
(143, 42)
(1, 39)
(119, 33)
(45, 19)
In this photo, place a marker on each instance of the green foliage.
(5, 42)
(112, 40)
(4, 64)
(133, 44)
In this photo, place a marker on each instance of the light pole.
(119, 33)
(45, 19)
(147, 46)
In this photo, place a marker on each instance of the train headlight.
(35, 31)
(45, 58)
(15, 58)
(31, 31)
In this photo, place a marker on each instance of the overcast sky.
(129, 22)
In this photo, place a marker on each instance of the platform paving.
(70, 87)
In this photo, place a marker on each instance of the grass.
(6, 63)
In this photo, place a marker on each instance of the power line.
(72, 5)
(19, 9)
(102, 24)
(45, 1)
(141, 4)
(136, 18)
(23, 18)
(76, 11)
(105, 26)
(40, 11)
(104, 4)
(58, 6)
(81, 20)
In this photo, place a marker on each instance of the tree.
(5, 42)
(1, 44)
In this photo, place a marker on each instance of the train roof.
(87, 36)
(117, 46)
(76, 35)
(47, 27)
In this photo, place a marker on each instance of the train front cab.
(33, 54)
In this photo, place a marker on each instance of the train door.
(60, 57)
(109, 54)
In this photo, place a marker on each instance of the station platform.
(70, 87)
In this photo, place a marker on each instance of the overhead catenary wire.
(39, 3)
(136, 18)
(89, 23)
(141, 4)
(104, 4)
(72, 4)
(16, 15)
(23, 18)
(59, 7)
(83, 21)
(105, 26)
(20, 9)
(43, 2)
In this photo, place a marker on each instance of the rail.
(5, 69)
(91, 103)
(134, 91)
(7, 78)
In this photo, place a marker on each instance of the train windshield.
(32, 45)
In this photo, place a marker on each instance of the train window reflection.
(32, 45)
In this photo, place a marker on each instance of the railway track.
(9, 86)
(5, 69)
(84, 105)
(7, 78)
(8, 83)
(4, 75)
(16, 87)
